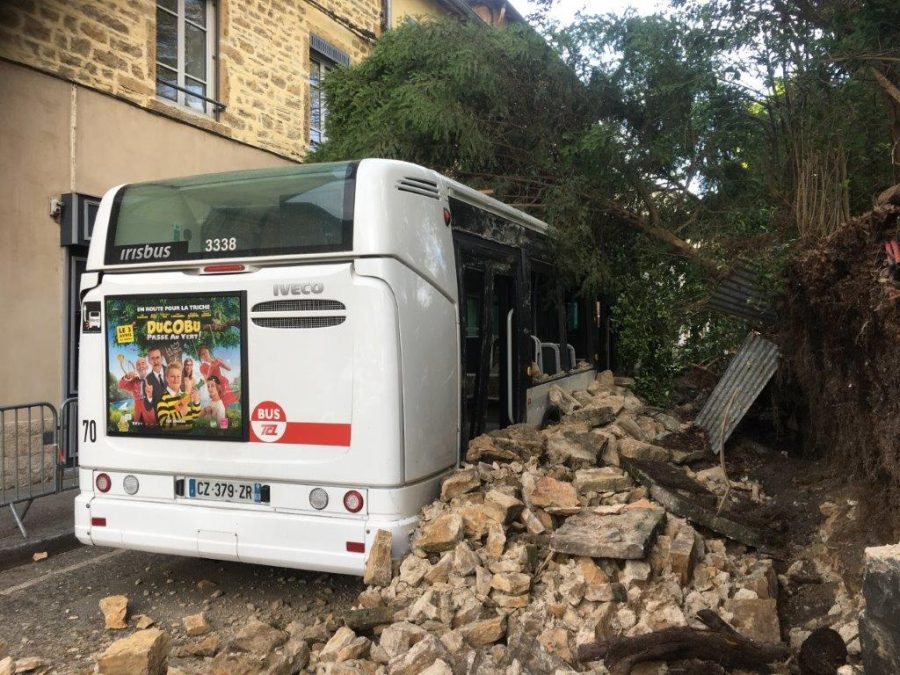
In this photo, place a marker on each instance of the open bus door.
(494, 310)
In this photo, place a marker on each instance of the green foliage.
(662, 326)
(707, 129)
(491, 107)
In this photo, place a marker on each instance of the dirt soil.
(840, 336)
(50, 609)
(820, 518)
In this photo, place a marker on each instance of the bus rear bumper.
(324, 544)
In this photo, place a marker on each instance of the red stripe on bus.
(310, 433)
(313, 433)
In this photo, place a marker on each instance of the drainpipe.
(386, 15)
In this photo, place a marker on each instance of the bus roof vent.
(299, 305)
(299, 321)
(419, 186)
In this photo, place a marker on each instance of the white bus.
(276, 364)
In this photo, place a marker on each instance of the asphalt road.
(50, 609)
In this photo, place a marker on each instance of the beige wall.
(119, 143)
(416, 9)
(34, 165)
(263, 64)
(114, 142)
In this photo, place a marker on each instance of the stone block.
(683, 553)
(422, 655)
(628, 535)
(548, 492)
(115, 609)
(399, 637)
(441, 534)
(258, 638)
(413, 569)
(756, 619)
(563, 400)
(512, 583)
(465, 560)
(508, 507)
(635, 449)
(459, 483)
(602, 479)
(378, 565)
(484, 632)
(879, 626)
(145, 652)
(196, 624)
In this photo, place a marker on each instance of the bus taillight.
(353, 501)
(103, 482)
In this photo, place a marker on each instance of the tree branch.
(889, 87)
(667, 237)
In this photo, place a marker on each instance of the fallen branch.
(680, 495)
(720, 644)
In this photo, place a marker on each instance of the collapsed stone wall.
(542, 552)
(841, 340)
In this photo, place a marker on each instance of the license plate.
(227, 490)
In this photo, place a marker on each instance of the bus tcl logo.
(268, 422)
(298, 289)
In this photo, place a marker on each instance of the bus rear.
(250, 384)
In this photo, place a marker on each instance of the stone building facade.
(96, 93)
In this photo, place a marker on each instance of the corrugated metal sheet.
(740, 295)
(747, 375)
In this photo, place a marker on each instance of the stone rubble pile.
(539, 545)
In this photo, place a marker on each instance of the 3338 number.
(221, 244)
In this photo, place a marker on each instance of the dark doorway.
(490, 350)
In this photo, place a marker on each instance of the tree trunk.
(721, 644)
(892, 95)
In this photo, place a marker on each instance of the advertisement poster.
(175, 366)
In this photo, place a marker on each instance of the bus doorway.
(490, 352)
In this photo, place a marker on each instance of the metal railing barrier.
(33, 461)
(68, 445)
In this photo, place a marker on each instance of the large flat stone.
(626, 536)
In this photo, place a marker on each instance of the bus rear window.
(300, 209)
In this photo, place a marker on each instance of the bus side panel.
(429, 353)
(391, 221)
